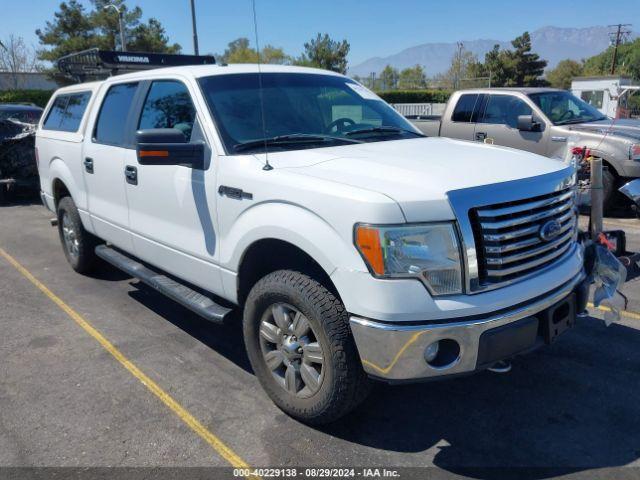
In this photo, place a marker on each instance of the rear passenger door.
(172, 207)
(108, 139)
(499, 123)
(461, 124)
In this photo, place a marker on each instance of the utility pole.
(617, 39)
(123, 41)
(458, 63)
(195, 30)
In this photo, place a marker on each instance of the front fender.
(293, 224)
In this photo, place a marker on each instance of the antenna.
(267, 166)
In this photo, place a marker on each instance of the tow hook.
(54, 222)
(503, 366)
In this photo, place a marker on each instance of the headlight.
(634, 152)
(429, 252)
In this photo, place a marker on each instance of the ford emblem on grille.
(550, 230)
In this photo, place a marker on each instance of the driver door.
(498, 124)
(171, 210)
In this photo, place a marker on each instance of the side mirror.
(168, 146)
(526, 123)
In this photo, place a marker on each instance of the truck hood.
(417, 173)
(622, 127)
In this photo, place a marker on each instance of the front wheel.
(609, 190)
(301, 349)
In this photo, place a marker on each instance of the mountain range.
(551, 43)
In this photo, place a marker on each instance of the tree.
(239, 51)
(518, 67)
(389, 77)
(73, 28)
(527, 68)
(323, 52)
(274, 55)
(412, 78)
(628, 62)
(17, 57)
(565, 71)
(464, 65)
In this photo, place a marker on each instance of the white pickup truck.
(355, 247)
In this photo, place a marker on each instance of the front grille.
(508, 240)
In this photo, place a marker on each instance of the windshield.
(301, 111)
(563, 108)
(26, 116)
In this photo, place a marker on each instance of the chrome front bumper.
(395, 352)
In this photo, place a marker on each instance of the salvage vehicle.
(18, 167)
(541, 120)
(25, 113)
(355, 247)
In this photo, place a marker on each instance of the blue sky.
(374, 27)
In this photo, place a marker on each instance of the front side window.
(504, 110)
(563, 108)
(300, 111)
(67, 111)
(112, 119)
(168, 105)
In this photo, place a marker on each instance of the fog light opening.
(442, 354)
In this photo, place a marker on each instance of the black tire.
(609, 190)
(344, 384)
(83, 258)
(4, 194)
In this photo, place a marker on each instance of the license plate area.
(557, 319)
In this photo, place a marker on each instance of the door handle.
(131, 174)
(88, 164)
(480, 136)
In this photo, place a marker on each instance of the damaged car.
(18, 166)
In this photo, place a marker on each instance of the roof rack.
(95, 63)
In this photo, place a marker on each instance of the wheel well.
(610, 167)
(59, 190)
(269, 255)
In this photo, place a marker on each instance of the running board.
(189, 298)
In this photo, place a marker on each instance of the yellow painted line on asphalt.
(218, 445)
(624, 313)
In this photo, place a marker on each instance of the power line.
(617, 37)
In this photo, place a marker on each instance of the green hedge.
(39, 97)
(415, 96)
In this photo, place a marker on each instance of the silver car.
(541, 120)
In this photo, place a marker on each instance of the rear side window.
(464, 108)
(112, 119)
(168, 105)
(67, 111)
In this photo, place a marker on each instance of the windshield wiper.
(394, 130)
(292, 139)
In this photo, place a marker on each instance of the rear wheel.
(77, 243)
(301, 349)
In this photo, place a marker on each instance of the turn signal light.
(368, 242)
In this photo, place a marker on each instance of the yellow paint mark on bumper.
(218, 445)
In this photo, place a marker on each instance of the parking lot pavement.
(66, 401)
